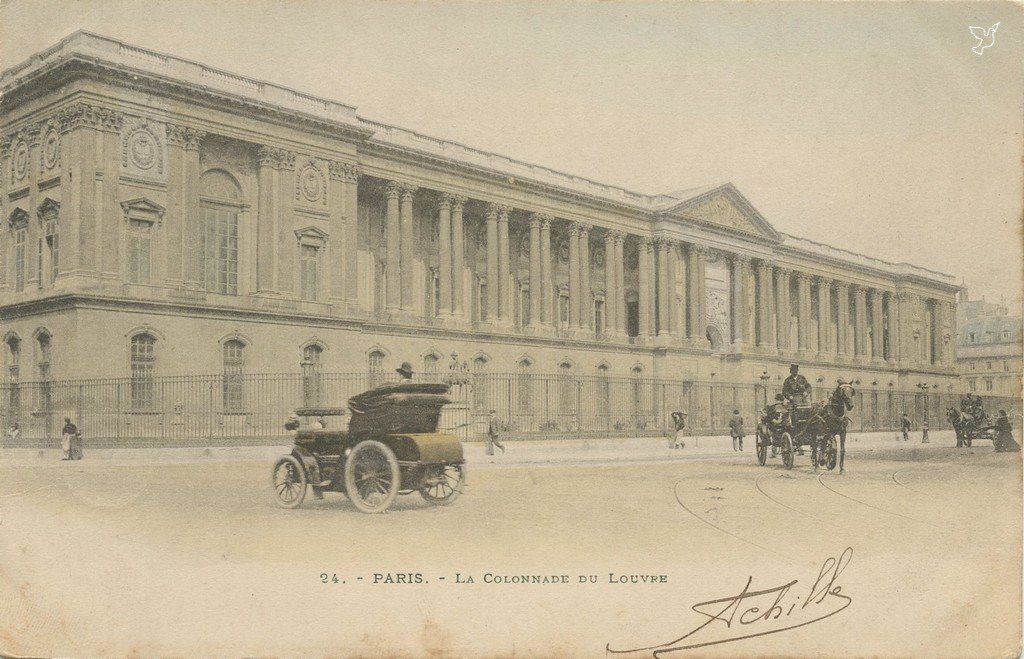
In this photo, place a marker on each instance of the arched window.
(481, 383)
(234, 379)
(431, 361)
(567, 392)
(143, 361)
(312, 388)
(13, 362)
(220, 202)
(43, 354)
(524, 385)
(376, 368)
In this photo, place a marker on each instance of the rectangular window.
(482, 301)
(138, 258)
(988, 384)
(309, 257)
(19, 259)
(220, 250)
(972, 385)
(988, 366)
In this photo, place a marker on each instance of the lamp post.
(924, 387)
(764, 385)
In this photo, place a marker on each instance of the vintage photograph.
(510, 329)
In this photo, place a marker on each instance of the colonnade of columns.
(773, 310)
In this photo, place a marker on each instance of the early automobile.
(391, 447)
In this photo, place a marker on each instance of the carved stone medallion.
(563, 251)
(20, 160)
(310, 184)
(51, 149)
(142, 149)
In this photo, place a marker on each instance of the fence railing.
(230, 409)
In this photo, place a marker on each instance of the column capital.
(646, 242)
(697, 248)
(491, 213)
(580, 228)
(185, 137)
(875, 295)
(445, 201)
(617, 236)
(457, 201)
(392, 189)
(610, 237)
(271, 156)
(783, 271)
(664, 244)
(735, 259)
(842, 286)
(803, 277)
(343, 171)
(407, 191)
(765, 267)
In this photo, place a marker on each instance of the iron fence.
(239, 409)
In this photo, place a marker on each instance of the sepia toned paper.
(547, 262)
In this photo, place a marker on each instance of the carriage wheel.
(443, 484)
(831, 453)
(762, 445)
(289, 482)
(371, 476)
(787, 451)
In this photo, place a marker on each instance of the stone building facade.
(989, 348)
(164, 217)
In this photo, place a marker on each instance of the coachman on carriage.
(792, 422)
(970, 422)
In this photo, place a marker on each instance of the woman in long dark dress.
(1004, 435)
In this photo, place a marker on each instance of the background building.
(988, 347)
(163, 218)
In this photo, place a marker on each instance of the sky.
(871, 127)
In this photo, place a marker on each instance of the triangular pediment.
(721, 207)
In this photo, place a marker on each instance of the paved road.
(189, 558)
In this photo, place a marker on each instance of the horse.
(959, 421)
(828, 419)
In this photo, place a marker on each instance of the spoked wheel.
(442, 484)
(762, 445)
(787, 450)
(289, 482)
(831, 453)
(371, 476)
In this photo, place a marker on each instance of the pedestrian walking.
(736, 430)
(905, 427)
(924, 432)
(1005, 442)
(67, 435)
(679, 421)
(493, 432)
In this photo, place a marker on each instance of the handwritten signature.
(753, 613)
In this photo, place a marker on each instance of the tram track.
(874, 507)
(707, 522)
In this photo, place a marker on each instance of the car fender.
(309, 461)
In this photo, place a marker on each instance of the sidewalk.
(532, 452)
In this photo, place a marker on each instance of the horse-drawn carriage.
(391, 447)
(970, 426)
(822, 426)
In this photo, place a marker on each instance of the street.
(193, 558)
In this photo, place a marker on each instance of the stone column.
(739, 308)
(891, 333)
(266, 249)
(192, 220)
(503, 290)
(353, 295)
(876, 326)
(611, 295)
(620, 285)
(493, 287)
(843, 321)
(336, 252)
(803, 282)
(950, 360)
(860, 318)
(824, 317)
(644, 288)
(286, 252)
(536, 278)
(586, 292)
(782, 309)
(392, 232)
(444, 253)
(406, 240)
(574, 276)
(666, 294)
(764, 306)
(458, 257)
(549, 315)
(695, 300)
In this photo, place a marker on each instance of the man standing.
(67, 433)
(796, 389)
(405, 371)
(493, 432)
(905, 426)
(736, 430)
(679, 421)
